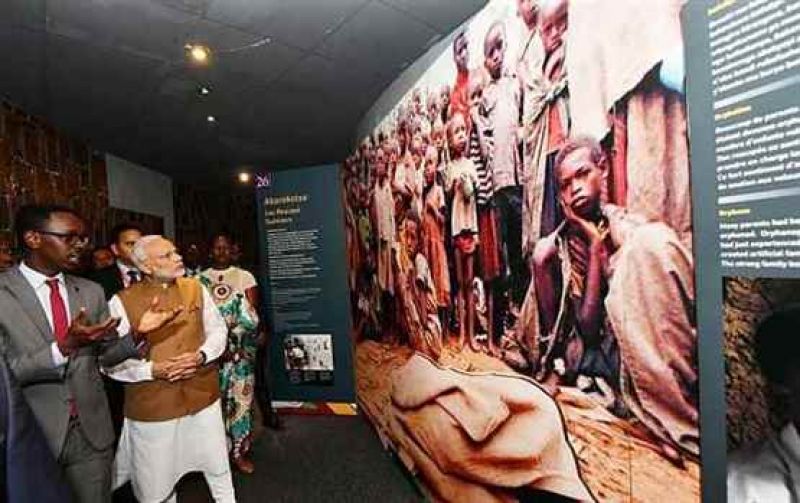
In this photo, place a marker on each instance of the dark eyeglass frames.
(69, 238)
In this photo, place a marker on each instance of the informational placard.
(303, 267)
(743, 79)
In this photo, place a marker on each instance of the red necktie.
(59, 310)
(60, 326)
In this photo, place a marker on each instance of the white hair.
(139, 254)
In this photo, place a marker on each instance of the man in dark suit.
(55, 332)
(118, 276)
(123, 272)
(28, 470)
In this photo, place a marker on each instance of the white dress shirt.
(123, 271)
(134, 370)
(38, 282)
(768, 472)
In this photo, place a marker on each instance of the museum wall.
(41, 164)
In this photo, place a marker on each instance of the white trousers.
(154, 455)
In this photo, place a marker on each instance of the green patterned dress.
(237, 371)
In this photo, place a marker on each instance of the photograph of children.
(308, 352)
(519, 243)
(762, 377)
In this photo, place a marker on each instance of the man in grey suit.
(55, 333)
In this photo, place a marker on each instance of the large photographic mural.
(519, 260)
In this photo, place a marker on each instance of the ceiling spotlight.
(204, 90)
(199, 53)
(244, 177)
(211, 119)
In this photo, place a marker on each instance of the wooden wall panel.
(39, 164)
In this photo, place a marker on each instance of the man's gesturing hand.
(156, 317)
(81, 333)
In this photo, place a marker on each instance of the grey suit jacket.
(25, 342)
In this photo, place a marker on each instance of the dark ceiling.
(290, 79)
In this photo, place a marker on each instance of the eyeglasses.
(69, 238)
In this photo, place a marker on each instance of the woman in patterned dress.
(235, 292)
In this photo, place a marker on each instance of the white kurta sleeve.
(131, 370)
(214, 328)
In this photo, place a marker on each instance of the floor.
(316, 458)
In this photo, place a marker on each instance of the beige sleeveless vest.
(160, 400)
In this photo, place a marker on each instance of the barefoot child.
(383, 217)
(461, 182)
(433, 229)
(501, 103)
(416, 294)
(615, 294)
(489, 248)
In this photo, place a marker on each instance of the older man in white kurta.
(173, 421)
